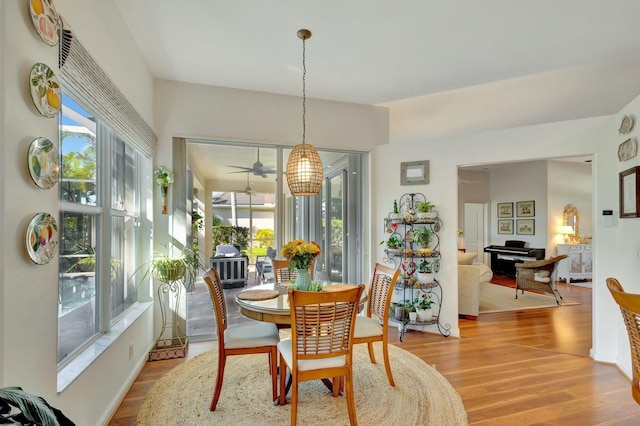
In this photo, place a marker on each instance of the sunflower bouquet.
(300, 253)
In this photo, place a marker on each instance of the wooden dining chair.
(374, 327)
(630, 307)
(257, 337)
(321, 342)
(283, 274)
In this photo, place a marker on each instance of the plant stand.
(177, 345)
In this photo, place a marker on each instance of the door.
(334, 198)
(474, 229)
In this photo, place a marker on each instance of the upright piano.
(504, 258)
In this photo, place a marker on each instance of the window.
(99, 210)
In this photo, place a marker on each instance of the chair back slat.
(212, 279)
(629, 304)
(381, 288)
(323, 322)
(283, 274)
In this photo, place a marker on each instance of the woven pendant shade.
(304, 167)
(304, 170)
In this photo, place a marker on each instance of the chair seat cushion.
(286, 350)
(366, 327)
(251, 335)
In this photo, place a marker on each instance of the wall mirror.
(570, 218)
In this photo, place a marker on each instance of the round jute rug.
(422, 396)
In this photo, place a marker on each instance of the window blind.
(89, 85)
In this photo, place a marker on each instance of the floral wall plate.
(46, 20)
(45, 90)
(42, 238)
(44, 165)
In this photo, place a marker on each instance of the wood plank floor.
(529, 367)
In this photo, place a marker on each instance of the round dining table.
(276, 309)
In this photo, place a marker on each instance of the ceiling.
(402, 54)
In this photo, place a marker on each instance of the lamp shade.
(304, 170)
(566, 230)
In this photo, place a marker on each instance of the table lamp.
(566, 230)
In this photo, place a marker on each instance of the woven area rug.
(422, 396)
(498, 298)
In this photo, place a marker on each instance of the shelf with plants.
(413, 245)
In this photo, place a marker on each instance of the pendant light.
(304, 167)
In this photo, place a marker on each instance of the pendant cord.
(304, 90)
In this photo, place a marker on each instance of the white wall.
(29, 292)
(571, 138)
(520, 182)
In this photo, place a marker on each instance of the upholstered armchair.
(538, 275)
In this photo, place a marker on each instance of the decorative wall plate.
(42, 238)
(627, 149)
(45, 90)
(626, 124)
(46, 20)
(44, 165)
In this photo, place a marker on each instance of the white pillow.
(466, 258)
(541, 276)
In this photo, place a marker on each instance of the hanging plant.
(164, 177)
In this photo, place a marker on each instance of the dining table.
(270, 302)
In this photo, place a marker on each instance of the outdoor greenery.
(265, 238)
(234, 235)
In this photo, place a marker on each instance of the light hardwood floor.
(530, 367)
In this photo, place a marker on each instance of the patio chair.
(264, 264)
(257, 337)
(321, 344)
(538, 275)
(630, 307)
(374, 327)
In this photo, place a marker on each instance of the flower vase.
(303, 280)
(164, 190)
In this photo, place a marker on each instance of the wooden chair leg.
(294, 402)
(372, 357)
(273, 364)
(387, 365)
(222, 360)
(351, 406)
(283, 375)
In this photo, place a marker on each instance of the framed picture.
(505, 209)
(414, 173)
(525, 227)
(526, 208)
(505, 226)
(629, 195)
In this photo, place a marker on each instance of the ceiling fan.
(258, 168)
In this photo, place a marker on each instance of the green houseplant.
(423, 236)
(424, 211)
(22, 408)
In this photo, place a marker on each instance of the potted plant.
(169, 268)
(396, 214)
(20, 407)
(394, 244)
(423, 235)
(423, 307)
(425, 272)
(411, 309)
(424, 210)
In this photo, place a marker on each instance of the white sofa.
(470, 275)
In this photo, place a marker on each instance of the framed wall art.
(505, 226)
(414, 173)
(526, 208)
(629, 192)
(525, 227)
(505, 209)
